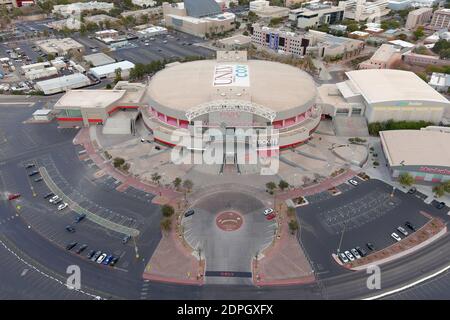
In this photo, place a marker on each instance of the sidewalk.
(174, 262)
(320, 187)
(83, 138)
(284, 262)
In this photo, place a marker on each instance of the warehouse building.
(384, 94)
(425, 154)
(59, 47)
(98, 59)
(41, 73)
(61, 84)
(109, 70)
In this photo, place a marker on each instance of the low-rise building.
(100, 19)
(155, 11)
(318, 14)
(386, 57)
(151, 31)
(237, 42)
(270, 12)
(424, 154)
(98, 59)
(67, 10)
(41, 73)
(316, 43)
(144, 3)
(59, 47)
(64, 83)
(418, 17)
(198, 17)
(43, 115)
(90, 107)
(440, 82)
(423, 60)
(109, 70)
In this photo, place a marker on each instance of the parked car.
(353, 182)
(101, 258)
(440, 205)
(349, 255)
(81, 249)
(29, 165)
(268, 211)
(107, 260)
(96, 255)
(343, 258)
(58, 201)
(62, 206)
(80, 217)
(126, 239)
(53, 199)
(70, 229)
(38, 179)
(90, 254)
(370, 246)
(355, 253)
(71, 245)
(412, 190)
(114, 261)
(189, 213)
(395, 236)
(48, 195)
(402, 231)
(361, 251)
(13, 196)
(33, 173)
(410, 226)
(271, 216)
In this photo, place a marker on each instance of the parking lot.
(171, 46)
(366, 214)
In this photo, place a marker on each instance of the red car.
(13, 196)
(270, 216)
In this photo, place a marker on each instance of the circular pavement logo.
(229, 220)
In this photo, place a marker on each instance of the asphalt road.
(34, 266)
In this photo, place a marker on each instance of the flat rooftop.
(99, 59)
(380, 85)
(417, 147)
(89, 98)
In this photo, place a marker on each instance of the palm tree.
(406, 179)
(156, 177)
(176, 182)
(271, 186)
(187, 185)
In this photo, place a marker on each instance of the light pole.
(392, 193)
(342, 237)
(135, 248)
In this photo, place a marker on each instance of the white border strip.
(408, 285)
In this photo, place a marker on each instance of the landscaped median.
(431, 231)
(89, 215)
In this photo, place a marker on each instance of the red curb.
(156, 278)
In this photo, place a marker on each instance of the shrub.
(167, 211)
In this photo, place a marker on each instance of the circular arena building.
(232, 93)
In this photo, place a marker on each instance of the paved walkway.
(317, 188)
(284, 262)
(174, 262)
(83, 138)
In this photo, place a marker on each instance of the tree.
(188, 185)
(166, 225)
(50, 57)
(271, 186)
(293, 226)
(118, 76)
(283, 185)
(156, 177)
(419, 33)
(167, 211)
(176, 182)
(118, 162)
(439, 190)
(406, 179)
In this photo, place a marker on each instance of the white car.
(353, 182)
(349, 256)
(54, 199)
(62, 206)
(356, 253)
(402, 231)
(343, 257)
(268, 211)
(101, 258)
(396, 237)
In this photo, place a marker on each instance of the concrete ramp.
(120, 123)
(350, 126)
